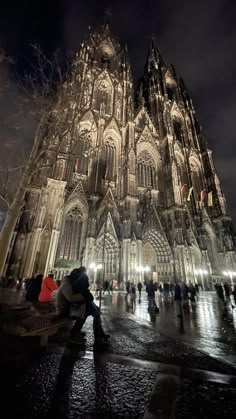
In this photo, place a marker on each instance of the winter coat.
(150, 289)
(65, 297)
(178, 295)
(80, 284)
(140, 286)
(47, 288)
(34, 288)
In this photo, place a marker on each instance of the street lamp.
(93, 267)
(230, 274)
(142, 269)
(202, 272)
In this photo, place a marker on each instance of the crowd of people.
(72, 298)
(181, 292)
(224, 292)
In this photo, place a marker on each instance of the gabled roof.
(78, 193)
(110, 228)
(108, 201)
(112, 124)
(142, 119)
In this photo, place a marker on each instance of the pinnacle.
(154, 54)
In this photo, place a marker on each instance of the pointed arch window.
(70, 241)
(196, 179)
(178, 130)
(146, 171)
(103, 95)
(82, 160)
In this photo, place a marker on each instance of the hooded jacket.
(47, 288)
(65, 297)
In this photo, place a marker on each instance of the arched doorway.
(150, 262)
(157, 256)
(109, 248)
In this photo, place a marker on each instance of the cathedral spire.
(107, 18)
(154, 58)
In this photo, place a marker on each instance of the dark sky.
(197, 36)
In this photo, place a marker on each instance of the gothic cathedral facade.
(134, 190)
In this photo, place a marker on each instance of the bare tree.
(57, 106)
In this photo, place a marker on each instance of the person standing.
(106, 287)
(220, 293)
(192, 292)
(133, 296)
(151, 289)
(127, 287)
(197, 288)
(140, 288)
(178, 300)
(184, 295)
(227, 294)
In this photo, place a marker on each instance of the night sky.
(197, 36)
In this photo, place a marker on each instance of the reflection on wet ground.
(206, 324)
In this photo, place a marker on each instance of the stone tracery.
(146, 157)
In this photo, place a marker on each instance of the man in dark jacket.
(34, 288)
(140, 288)
(151, 289)
(178, 299)
(80, 284)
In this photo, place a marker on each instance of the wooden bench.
(34, 325)
(45, 332)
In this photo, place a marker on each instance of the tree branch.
(4, 200)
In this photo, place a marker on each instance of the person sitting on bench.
(80, 284)
(64, 299)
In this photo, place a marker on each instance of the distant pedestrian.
(172, 289)
(166, 289)
(111, 287)
(127, 287)
(132, 296)
(227, 294)
(140, 288)
(220, 293)
(197, 288)
(151, 289)
(192, 292)
(178, 300)
(106, 287)
(185, 297)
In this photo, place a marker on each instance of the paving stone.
(130, 338)
(66, 388)
(203, 400)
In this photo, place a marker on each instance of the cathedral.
(132, 193)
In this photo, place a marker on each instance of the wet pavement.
(206, 325)
(67, 381)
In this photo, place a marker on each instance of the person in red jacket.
(47, 289)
